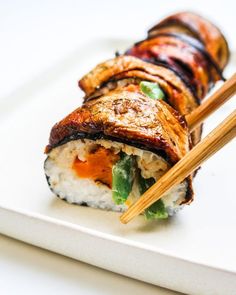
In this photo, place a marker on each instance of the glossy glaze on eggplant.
(124, 67)
(180, 55)
(198, 27)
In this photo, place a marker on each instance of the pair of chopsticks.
(212, 143)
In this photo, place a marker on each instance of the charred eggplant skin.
(198, 45)
(200, 28)
(182, 54)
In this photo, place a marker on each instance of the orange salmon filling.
(98, 166)
(132, 88)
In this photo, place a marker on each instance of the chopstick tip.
(123, 219)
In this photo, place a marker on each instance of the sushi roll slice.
(194, 25)
(184, 55)
(123, 70)
(109, 151)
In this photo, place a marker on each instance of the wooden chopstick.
(224, 93)
(219, 137)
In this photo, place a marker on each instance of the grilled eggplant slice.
(198, 27)
(120, 71)
(180, 55)
(123, 67)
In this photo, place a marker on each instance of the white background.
(35, 36)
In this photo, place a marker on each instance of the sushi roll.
(130, 129)
(109, 151)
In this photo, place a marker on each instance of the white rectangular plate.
(193, 252)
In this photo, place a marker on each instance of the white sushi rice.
(66, 184)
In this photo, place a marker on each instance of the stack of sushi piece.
(131, 129)
(193, 48)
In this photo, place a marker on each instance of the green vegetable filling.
(152, 90)
(123, 173)
(156, 210)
